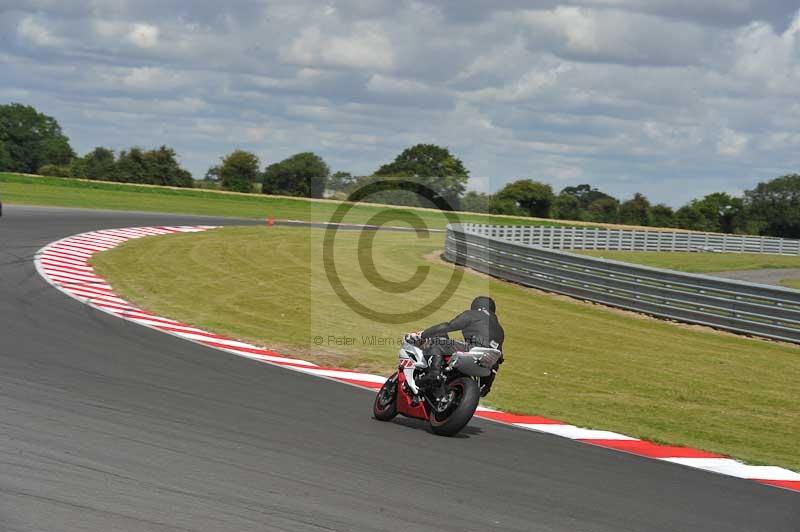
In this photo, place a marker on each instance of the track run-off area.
(69, 265)
(110, 425)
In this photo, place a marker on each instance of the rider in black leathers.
(480, 327)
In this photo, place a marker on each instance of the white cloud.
(256, 133)
(393, 85)
(579, 27)
(139, 34)
(171, 106)
(614, 35)
(143, 35)
(731, 143)
(782, 140)
(667, 137)
(37, 33)
(624, 94)
(108, 28)
(769, 59)
(525, 88)
(143, 78)
(368, 47)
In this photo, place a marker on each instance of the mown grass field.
(64, 192)
(567, 360)
(700, 262)
(791, 283)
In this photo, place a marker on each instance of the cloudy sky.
(673, 98)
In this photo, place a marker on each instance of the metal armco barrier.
(737, 306)
(636, 240)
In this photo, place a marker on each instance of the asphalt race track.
(106, 425)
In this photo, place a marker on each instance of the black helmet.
(483, 303)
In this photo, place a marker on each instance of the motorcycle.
(447, 404)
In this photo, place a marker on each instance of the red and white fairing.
(411, 357)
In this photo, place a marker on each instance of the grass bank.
(571, 361)
(65, 192)
(791, 283)
(700, 262)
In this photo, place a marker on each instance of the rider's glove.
(414, 336)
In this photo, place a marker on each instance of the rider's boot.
(434, 370)
(486, 382)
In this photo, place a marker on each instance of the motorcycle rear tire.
(460, 416)
(389, 411)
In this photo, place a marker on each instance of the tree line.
(33, 143)
(772, 208)
(422, 175)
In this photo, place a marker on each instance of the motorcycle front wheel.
(460, 408)
(385, 406)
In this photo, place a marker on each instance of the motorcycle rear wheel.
(385, 406)
(455, 418)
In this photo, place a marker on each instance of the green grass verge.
(791, 283)
(700, 262)
(64, 192)
(567, 360)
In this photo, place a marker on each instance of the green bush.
(207, 184)
(238, 172)
(147, 167)
(54, 170)
(30, 140)
(302, 174)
